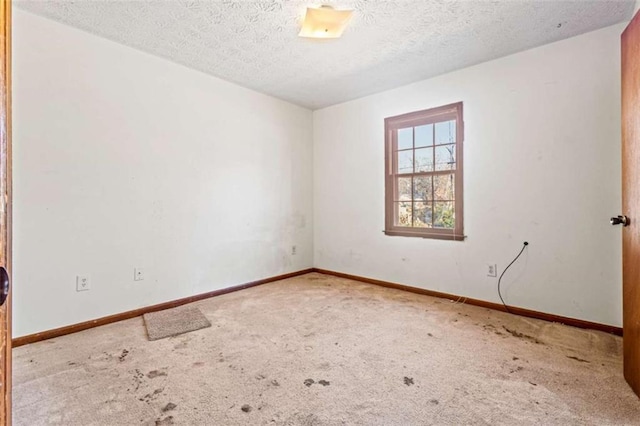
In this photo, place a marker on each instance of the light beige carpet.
(319, 350)
(172, 322)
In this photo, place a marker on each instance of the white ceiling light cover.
(325, 22)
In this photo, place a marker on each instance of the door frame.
(5, 206)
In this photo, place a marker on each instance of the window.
(423, 157)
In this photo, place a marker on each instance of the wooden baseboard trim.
(482, 303)
(74, 328)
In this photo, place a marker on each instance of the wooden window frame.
(413, 119)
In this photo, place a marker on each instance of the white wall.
(125, 160)
(542, 164)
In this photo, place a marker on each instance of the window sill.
(427, 235)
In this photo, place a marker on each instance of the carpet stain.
(578, 359)
(170, 406)
(434, 402)
(165, 421)
(137, 379)
(246, 408)
(123, 355)
(408, 381)
(274, 382)
(151, 396)
(519, 335)
(309, 382)
(155, 373)
(490, 328)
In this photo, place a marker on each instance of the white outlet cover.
(138, 274)
(492, 270)
(83, 283)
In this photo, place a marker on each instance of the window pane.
(403, 214)
(405, 138)
(422, 188)
(446, 157)
(405, 161)
(404, 189)
(446, 132)
(422, 215)
(424, 135)
(444, 187)
(424, 160)
(443, 215)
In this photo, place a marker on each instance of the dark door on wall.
(631, 201)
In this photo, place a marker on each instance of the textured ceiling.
(388, 43)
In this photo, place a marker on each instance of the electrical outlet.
(294, 250)
(138, 274)
(492, 270)
(83, 283)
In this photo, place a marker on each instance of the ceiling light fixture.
(325, 22)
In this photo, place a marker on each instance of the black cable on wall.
(524, 246)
